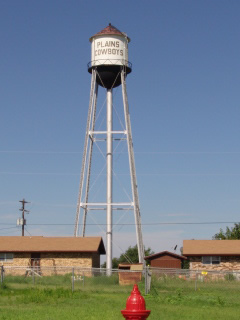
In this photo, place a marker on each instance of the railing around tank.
(99, 62)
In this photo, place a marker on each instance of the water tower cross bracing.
(109, 68)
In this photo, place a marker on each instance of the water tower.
(109, 67)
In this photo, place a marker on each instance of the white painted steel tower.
(109, 67)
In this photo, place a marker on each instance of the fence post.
(149, 280)
(72, 279)
(196, 275)
(33, 276)
(2, 275)
(146, 280)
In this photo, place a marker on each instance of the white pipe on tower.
(109, 182)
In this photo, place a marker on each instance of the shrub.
(230, 277)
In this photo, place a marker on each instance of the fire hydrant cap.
(135, 301)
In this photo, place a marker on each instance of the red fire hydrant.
(135, 306)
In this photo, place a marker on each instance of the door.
(35, 260)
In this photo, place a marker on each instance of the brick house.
(213, 255)
(53, 252)
(165, 259)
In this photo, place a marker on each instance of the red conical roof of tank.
(110, 30)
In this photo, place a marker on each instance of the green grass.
(102, 298)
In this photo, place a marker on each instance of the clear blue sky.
(185, 110)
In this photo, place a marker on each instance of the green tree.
(129, 256)
(185, 263)
(230, 233)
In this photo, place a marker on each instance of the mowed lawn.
(99, 301)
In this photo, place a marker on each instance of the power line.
(40, 152)
(121, 174)
(41, 204)
(139, 152)
(8, 228)
(40, 173)
(131, 224)
(28, 232)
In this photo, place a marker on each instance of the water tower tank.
(109, 54)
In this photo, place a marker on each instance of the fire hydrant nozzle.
(135, 306)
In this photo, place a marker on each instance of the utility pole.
(22, 221)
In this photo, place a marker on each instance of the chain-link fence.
(86, 279)
(150, 280)
(177, 282)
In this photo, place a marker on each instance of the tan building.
(133, 276)
(215, 255)
(52, 253)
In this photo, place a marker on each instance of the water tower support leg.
(132, 171)
(91, 101)
(89, 160)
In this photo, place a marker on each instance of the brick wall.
(19, 260)
(66, 260)
(228, 263)
(56, 262)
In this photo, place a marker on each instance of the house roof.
(110, 30)
(211, 247)
(52, 244)
(163, 253)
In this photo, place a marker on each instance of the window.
(7, 257)
(211, 260)
(206, 260)
(216, 260)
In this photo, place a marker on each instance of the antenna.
(22, 221)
